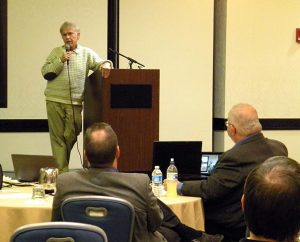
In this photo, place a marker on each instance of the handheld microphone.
(67, 48)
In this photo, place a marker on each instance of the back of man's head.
(100, 144)
(272, 199)
(245, 119)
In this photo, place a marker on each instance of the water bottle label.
(157, 179)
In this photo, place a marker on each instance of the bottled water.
(172, 175)
(157, 179)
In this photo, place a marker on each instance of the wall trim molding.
(23, 125)
(267, 124)
(41, 125)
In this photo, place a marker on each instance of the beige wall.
(177, 38)
(262, 56)
(262, 62)
(33, 31)
(172, 36)
(261, 65)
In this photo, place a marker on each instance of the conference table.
(17, 208)
(188, 209)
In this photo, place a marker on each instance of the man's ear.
(118, 153)
(84, 155)
(115, 162)
(86, 159)
(243, 202)
(233, 130)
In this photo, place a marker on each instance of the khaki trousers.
(65, 124)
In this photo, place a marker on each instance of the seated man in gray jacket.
(154, 221)
(222, 191)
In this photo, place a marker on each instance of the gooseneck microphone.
(67, 48)
(131, 61)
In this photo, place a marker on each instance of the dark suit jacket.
(223, 189)
(133, 187)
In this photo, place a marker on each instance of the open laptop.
(186, 154)
(209, 160)
(27, 167)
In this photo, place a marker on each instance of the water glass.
(48, 177)
(38, 191)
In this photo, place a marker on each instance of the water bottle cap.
(156, 167)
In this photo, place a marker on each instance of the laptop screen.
(186, 154)
(209, 160)
(27, 167)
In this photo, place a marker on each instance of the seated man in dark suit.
(271, 201)
(222, 191)
(154, 221)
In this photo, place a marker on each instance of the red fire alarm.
(298, 35)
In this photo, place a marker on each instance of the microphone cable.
(73, 111)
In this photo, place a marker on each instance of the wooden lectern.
(129, 101)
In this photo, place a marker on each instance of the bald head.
(245, 119)
(101, 144)
(272, 199)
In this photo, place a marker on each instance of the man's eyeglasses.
(227, 124)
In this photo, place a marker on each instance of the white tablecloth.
(188, 209)
(17, 208)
